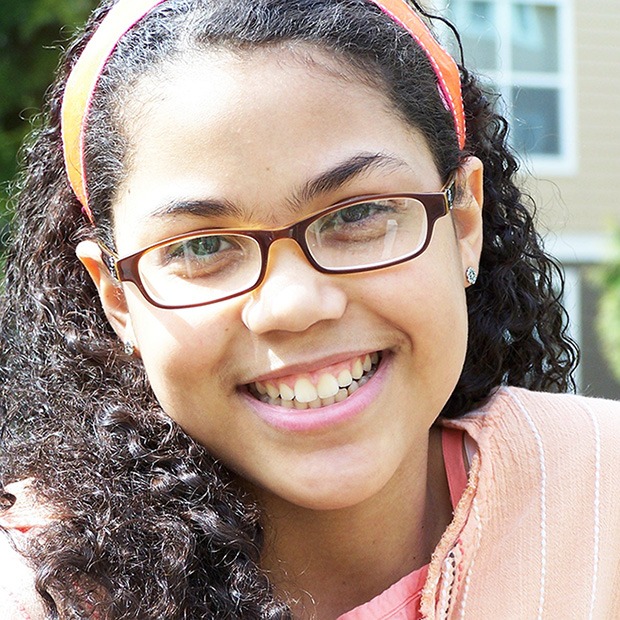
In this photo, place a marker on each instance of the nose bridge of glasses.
(286, 232)
(293, 232)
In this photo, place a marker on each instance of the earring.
(471, 275)
(129, 348)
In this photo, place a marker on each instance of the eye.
(201, 267)
(355, 213)
(199, 247)
(357, 217)
(196, 256)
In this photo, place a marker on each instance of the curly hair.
(79, 417)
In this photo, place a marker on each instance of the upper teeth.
(305, 392)
(344, 378)
(329, 388)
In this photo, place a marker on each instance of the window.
(524, 49)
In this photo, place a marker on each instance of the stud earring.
(471, 275)
(129, 348)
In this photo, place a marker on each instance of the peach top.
(542, 497)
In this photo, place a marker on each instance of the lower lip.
(307, 420)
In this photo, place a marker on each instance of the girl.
(270, 280)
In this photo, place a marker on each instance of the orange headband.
(125, 14)
(446, 70)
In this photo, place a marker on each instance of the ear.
(467, 213)
(110, 290)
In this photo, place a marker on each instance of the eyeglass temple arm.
(109, 259)
(449, 190)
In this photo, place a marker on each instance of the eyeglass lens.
(208, 267)
(368, 234)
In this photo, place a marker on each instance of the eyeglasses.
(356, 235)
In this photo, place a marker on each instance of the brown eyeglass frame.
(436, 205)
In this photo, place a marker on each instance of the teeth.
(286, 392)
(328, 391)
(272, 390)
(342, 394)
(344, 379)
(305, 392)
(358, 369)
(327, 386)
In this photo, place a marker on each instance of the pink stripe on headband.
(125, 14)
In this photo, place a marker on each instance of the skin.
(365, 499)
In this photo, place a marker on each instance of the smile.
(316, 390)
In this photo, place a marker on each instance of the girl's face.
(271, 138)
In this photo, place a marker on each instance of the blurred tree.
(608, 319)
(31, 36)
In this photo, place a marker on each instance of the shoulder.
(573, 436)
(563, 446)
(548, 485)
(561, 420)
(18, 596)
(563, 449)
(544, 499)
(27, 512)
(555, 419)
(558, 406)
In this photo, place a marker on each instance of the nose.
(293, 296)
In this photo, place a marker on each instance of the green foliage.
(31, 35)
(608, 319)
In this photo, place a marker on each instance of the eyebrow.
(328, 181)
(346, 171)
(201, 208)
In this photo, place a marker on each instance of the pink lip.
(309, 420)
(308, 369)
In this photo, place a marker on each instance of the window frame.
(565, 162)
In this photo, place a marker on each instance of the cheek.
(183, 351)
(427, 294)
(434, 316)
(425, 300)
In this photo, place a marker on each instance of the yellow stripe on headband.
(125, 14)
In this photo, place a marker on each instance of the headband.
(125, 14)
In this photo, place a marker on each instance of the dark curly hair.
(79, 417)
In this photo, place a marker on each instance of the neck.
(328, 562)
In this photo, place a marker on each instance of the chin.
(323, 493)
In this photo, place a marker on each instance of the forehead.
(232, 85)
(251, 128)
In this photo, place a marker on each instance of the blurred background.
(32, 34)
(556, 65)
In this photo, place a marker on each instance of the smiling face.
(260, 142)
